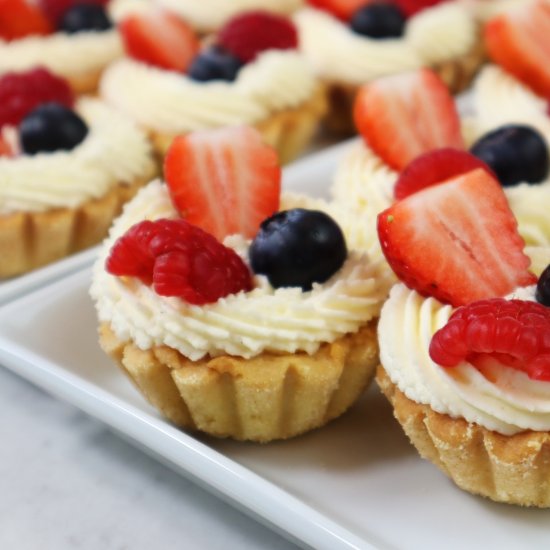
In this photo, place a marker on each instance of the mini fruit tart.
(412, 133)
(249, 73)
(464, 339)
(350, 43)
(75, 39)
(66, 167)
(232, 317)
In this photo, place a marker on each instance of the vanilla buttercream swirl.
(244, 324)
(113, 152)
(69, 55)
(209, 15)
(500, 399)
(170, 102)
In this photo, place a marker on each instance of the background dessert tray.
(356, 483)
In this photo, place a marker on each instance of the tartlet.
(260, 364)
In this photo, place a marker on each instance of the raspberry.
(412, 7)
(20, 93)
(55, 9)
(514, 332)
(180, 260)
(246, 35)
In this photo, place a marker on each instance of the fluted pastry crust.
(513, 469)
(271, 396)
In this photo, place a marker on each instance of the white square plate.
(356, 483)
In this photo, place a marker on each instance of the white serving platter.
(357, 483)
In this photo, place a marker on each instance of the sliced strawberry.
(225, 181)
(343, 9)
(457, 242)
(19, 18)
(159, 38)
(518, 41)
(435, 167)
(412, 7)
(402, 116)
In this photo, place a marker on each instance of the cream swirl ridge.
(70, 55)
(113, 152)
(503, 400)
(171, 102)
(243, 324)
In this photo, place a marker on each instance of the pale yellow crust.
(29, 240)
(85, 83)
(456, 73)
(289, 131)
(260, 399)
(512, 469)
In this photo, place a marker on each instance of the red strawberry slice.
(435, 167)
(253, 32)
(518, 42)
(225, 181)
(343, 9)
(457, 242)
(488, 332)
(402, 116)
(412, 7)
(19, 18)
(159, 38)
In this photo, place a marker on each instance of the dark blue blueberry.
(214, 63)
(515, 153)
(298, 248)
(379, 20)
(51, 127)
(85, 17)
(542, 294)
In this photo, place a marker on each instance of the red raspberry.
(20, 93)
(412, 7)
(180, 260)
(247, 35)
(55, 9)
(514, 332)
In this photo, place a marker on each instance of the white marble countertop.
(67, 482)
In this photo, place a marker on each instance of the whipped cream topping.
(209, 15)
(170, 102)
(499, 99)
(244, 324)
(69, 55)
(436, 34)
(501, 399)
(113, 152)
(486, 9)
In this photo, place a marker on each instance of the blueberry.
(214, 63)
(85, 17)
(379, 20)
(298, 248)
(51, 127)
(515, 153)
(542, 294)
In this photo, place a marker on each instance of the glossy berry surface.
(298, 247)
(214, 63)
(180, 260)
(515, 153)
(51, 127)
(412, 7)
(85, 17)
(19, 18)
(514, 332)
(56, 9)
(379, 20)
(20, 93)
(253, 32)
(543, 288)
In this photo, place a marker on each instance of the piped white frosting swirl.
(170, 102)
(502, 399)
(243, 324)
(113, 152)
